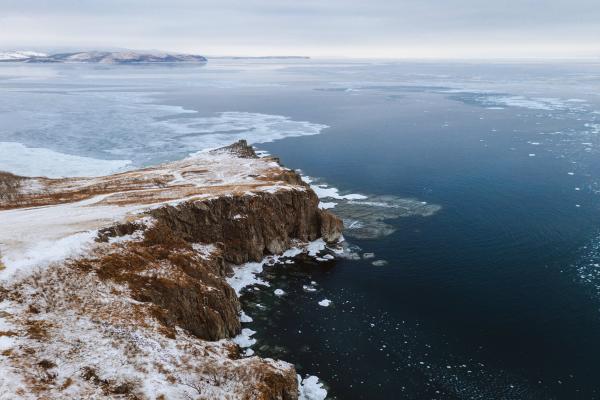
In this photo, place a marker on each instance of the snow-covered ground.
(98, 333)
(35, 236)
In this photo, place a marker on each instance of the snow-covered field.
(35, 236)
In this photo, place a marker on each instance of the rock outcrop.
(140, 307)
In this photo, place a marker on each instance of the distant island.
(101, 57)
(124, 57)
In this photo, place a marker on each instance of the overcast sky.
(353, 28)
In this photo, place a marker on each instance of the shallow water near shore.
(496, 294)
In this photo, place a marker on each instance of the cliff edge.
(116, 286)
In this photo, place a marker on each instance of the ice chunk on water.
(325, 303)
(379, 263)
(310, 388)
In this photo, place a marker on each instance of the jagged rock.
(331, 226)
(241, 148)
(271, 221)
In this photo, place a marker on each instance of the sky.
(326, 28)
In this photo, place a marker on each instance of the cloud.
(332, 27)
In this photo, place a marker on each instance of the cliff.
(117, 286)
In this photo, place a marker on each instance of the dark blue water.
(478, 301)
(496, 296)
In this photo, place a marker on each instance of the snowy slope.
(19, 55)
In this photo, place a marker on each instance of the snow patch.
(204, 250)
(244, 339)
(20, 55)
(245, 318)
(309, 288)
(46, 252)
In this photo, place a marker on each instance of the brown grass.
(66, 384)
(9, 187)
(176, 286)
(161, 235)
(144, 186)
(37, 329)
(46, 364)
(120, 389)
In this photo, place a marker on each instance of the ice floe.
(380, 263)
(315, 247)
(325, 303)
(248, 274)
(228, 127)
(33, 161)
(309, 288)
(495, 101)
(324, 191)
(310, 388)
(90, 131)
(325, 205)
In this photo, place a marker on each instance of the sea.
(470, 191)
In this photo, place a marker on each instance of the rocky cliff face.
(145, 310)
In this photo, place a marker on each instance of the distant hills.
(101, 57)
(122, 57)
(20, 55)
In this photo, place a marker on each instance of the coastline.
(122, 285)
